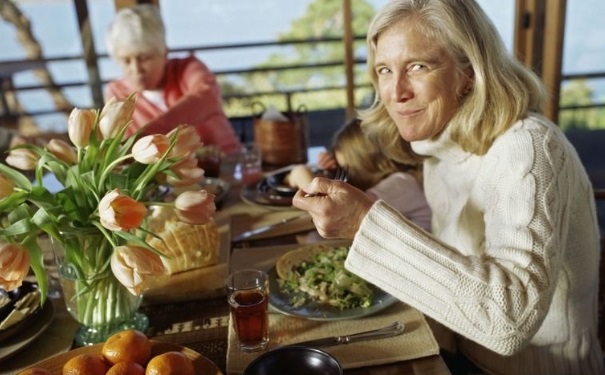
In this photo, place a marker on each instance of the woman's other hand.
(337, 208)
(326, 161)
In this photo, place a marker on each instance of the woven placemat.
(199, 325)
(416, 341)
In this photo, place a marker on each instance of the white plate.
(280, 301)
(29, 332)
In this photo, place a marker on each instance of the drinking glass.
(250, 164)
(248, 296)
(209, 159)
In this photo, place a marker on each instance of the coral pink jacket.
(192, 96)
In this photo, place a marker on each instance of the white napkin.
(23, 307)
(272, 114)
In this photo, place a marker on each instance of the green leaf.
(15, 199)
(18, 178)
(37, 264)
(21, 227)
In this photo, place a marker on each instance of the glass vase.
(93, 296)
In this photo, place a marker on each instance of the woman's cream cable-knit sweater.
(515, 272)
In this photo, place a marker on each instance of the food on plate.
(127, 346)
(85, 364)
(186, 246)
(318, 271)
(170, 363)
(126, 368)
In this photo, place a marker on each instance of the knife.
(391, 330)
(256, 231)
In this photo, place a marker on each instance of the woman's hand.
(326, 161)
(337, 209)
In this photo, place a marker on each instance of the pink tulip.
(187, 171)
(22, 158)
(133, 265)
(121, 212)
(187, 140)
(62, 151)
(80, 125)
(195, 207)
(14, 265)
(115, 115)
(150, 149)
(6, 186)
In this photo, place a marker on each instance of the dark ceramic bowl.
(294, 360)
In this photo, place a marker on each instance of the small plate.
(25, 288)
(271, 190)
(29, 332)
(280, 301)
(201, 364)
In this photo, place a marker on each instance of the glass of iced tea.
(248, 296)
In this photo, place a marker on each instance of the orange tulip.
(23, 159)
(80, 125)
(187, 140)
(6, 186)
(14, 265)
(115, 115)
(187, 171)
(133, 265)
(62, 150)
(150, 149)
(121, 212)
(195, 207)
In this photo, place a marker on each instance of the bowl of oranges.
(127, 352)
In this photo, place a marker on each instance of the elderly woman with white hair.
(169, 92)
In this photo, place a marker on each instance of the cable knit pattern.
(515, 269)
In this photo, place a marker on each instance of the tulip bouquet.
(99, 216)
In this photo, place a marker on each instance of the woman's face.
(143, 71)
(417, 80)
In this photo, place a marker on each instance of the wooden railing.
(7, 87)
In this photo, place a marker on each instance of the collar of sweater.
(441, 147)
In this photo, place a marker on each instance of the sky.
(210, 22)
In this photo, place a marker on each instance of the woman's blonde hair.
(137, 29)
(503, 90)
(367, 164)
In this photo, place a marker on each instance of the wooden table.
(202, 324)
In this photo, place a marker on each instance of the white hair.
(137, 29)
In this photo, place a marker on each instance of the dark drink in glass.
(247, 294)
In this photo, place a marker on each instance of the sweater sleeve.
(494, 289)
(193, 97)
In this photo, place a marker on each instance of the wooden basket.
(283, 142)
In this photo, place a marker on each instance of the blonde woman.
(170, 91)
(510, 271)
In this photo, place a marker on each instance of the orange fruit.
(126, 368)
(35, 371)
(127, 346)
(170, 363)
(85, 364)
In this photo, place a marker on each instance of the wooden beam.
(348, 42)
(90, 54)
(552, 65)
(534, 19)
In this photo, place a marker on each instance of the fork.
(341, 174)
